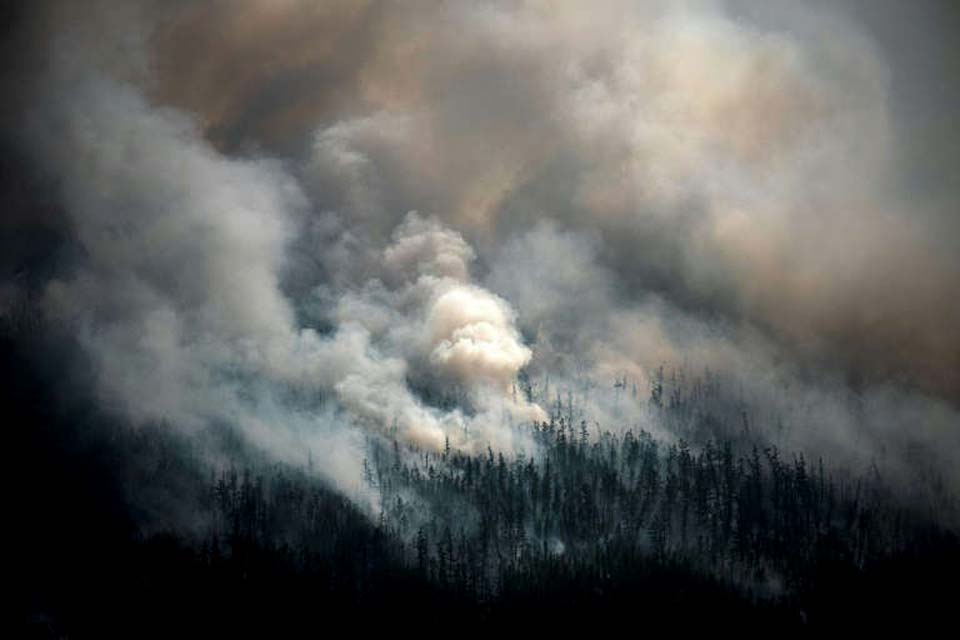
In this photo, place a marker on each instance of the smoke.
(178, 300)
(604, 190)
(438, 333)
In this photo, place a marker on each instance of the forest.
(595, 528)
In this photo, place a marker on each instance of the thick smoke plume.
(319, 222)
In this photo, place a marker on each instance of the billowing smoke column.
(469, 331)
(604, 189)
(436, 327)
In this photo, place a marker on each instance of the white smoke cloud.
(450, 331)
(424, 249)
(474, 336)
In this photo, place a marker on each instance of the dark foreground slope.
(121, 533)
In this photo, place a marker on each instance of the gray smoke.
(601, 190)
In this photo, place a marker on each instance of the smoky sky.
(401, 208)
